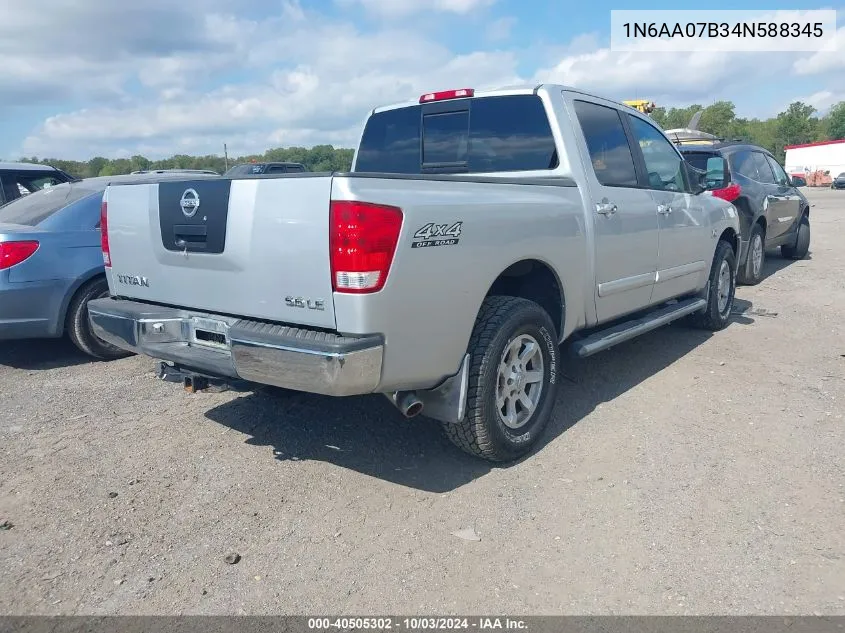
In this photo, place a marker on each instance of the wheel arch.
(730, 236)
(536, 281)
(74, 288)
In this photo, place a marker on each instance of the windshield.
(36, 207)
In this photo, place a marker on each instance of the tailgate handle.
(193, 235)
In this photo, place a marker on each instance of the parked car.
(441, 273)
(255, 169)
(772, 210)
(21, 179)
(51, 263)
(838, 182)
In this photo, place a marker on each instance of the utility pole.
(226, 156)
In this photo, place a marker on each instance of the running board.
(605, 339)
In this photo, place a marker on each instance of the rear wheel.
(752, 273)
(801, 247)
(79, 328)
(512, 381)
(720, 291)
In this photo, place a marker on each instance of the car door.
(788, 198)
(776, 201)
(624, 214)
(684, 243)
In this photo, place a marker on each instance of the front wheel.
(512, 380)
(721, 289)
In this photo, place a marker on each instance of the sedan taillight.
(13, 253)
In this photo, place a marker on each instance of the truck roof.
(516, 89)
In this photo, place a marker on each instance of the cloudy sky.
(80, 78)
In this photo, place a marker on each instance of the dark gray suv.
(20, 179)
(772, 210)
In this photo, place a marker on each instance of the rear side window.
(744, 165)
(487, 134)
(764, 171)
(607, 143)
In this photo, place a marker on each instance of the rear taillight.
(729, 193)
(104, 233)
(447, 94)
(13, 253)
(362, 242)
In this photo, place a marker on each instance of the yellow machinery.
(643, 105)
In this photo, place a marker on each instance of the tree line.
(799, 123)
(317, 158)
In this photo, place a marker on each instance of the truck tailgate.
(258, 246)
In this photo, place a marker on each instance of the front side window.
(780, 175)
(665, 167)
(610, 153)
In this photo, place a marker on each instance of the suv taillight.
(362, 241)
(13, 253)
(729, 193)
(104, 233)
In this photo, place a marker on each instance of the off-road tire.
(801, 247)
(711, 318)
(746, 274)
(79, 328)
(482, 433)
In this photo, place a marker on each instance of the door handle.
(664, 209)
(606, 208)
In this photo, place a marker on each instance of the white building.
(809, 157)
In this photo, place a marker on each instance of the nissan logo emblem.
(190, 202)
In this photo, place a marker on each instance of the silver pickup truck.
(475, 233)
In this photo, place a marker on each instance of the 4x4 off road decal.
(437, 235)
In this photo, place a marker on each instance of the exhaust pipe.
(407, 402)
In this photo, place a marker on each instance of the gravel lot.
(682, 473)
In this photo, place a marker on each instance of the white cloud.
(404, 8)
(821, 100)
(319, 98)
(685, 76)
(150, 85)
(829, 60)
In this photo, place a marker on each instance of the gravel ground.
(682, 473)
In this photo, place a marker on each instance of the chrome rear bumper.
(266, 353)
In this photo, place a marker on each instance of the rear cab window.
(476, 135)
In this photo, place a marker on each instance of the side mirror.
(798, 181)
